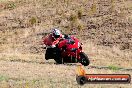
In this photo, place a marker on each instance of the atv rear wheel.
(84, 60)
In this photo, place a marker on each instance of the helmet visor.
(56, 36)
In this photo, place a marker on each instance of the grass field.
(32, 71)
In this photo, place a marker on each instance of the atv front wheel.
(84, 60)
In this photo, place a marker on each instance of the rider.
(53, 38)
(51, 42)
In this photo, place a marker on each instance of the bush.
(80, 14)
(33, 20)
(73, 18)
(10, 5)
(80, 27)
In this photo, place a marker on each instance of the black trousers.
(52, 53)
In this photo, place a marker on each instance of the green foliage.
(93, 9)
(33, 20)
(10, 5)
(75, 21)
(3, 78)
(111, 67)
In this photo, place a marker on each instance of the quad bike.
(68, 50)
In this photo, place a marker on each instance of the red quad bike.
(68, 50)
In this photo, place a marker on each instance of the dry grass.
(105, 56)
(32, 71)
(48, 75)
